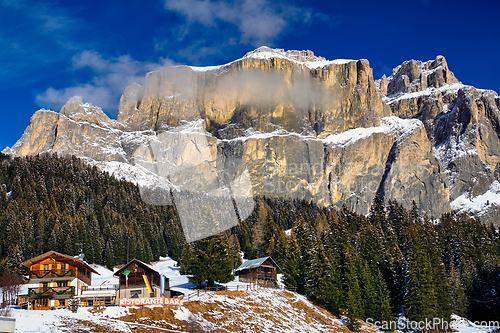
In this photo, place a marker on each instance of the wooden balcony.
(87, 288)
(42, 274)
(51, 291)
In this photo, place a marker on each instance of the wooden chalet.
(133, 285)
(54, 278)
(263, 271)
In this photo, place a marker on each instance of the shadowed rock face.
(297, 126)
(462, 125)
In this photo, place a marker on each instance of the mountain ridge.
(280, 116)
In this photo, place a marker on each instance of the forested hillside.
(347, 263)
(372, 266)
(51, 203)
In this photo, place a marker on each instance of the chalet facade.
(134, 279)
(56, 277)
(263, 271)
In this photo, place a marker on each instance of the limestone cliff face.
(414, 174)
(291, 124)
(264, 90)
(462, 125)
(40, 135)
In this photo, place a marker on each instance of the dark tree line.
(349, 264)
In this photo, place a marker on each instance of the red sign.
(149, 301)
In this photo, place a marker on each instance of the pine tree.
(383, 302)
(259, 232)
(457, 292)
(210, 261)
(353, 302)
(234, 251)
(290, 266)
(420, 298)
(439, 277)
(304, 242)
(109, 255)
(368, 290)
(322, 284)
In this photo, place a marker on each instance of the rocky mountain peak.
(129, 102)
(265, 52)
(78, 111)
(414, 76)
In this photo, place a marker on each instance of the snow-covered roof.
(141, 263)
(254, 263)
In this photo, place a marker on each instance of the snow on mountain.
(306, 58)
(388, 125)
(427, 92)
(477, 204)
(206, 68)
(136, 174)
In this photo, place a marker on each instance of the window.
(63, 267)
(62, 283)
(42, 303)
(44, 285)
(62, 302)
(46, 267)
(135, 293)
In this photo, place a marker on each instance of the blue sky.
(53, 50)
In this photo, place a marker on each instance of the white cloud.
(258, 21)
(55, 99)
(90, 59)
(203, 11)
(105, 89)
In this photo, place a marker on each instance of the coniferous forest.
(352, 265)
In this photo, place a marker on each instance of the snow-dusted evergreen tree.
(290, 265)
(323, 279)
(209, 261)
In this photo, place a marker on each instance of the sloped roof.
(140, 263)
(254, 263)
(61, 257)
